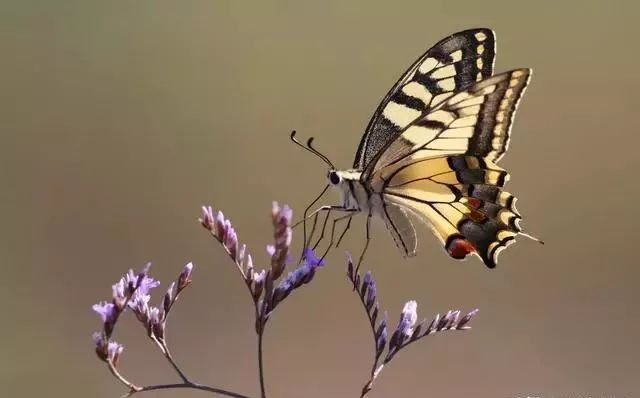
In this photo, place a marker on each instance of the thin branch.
(185, 385)
(263, 393)
(173, 363)
(121, 378)
(369, 385)
(261, 316)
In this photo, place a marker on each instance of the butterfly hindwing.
(453, 64)
(461, 198)
(475, 122)
(401, 228)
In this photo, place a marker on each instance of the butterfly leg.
(304, 218)
(333, 230)
(344, 232)
(307, 242)
(366, 246)
(324, 228)
(315, 214)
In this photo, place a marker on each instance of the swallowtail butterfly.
(431, 150)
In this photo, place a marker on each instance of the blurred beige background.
(119, 119)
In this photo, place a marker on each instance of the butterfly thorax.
(353, 194)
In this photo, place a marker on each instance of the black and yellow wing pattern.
(454, 64)
(441, 168)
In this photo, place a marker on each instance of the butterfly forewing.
(454, 64)
(473, 122)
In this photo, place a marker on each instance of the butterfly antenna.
(317, 152)
(310, 149)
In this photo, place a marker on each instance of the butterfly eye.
(334, 178)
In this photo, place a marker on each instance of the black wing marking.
(473, 122)
(453, 64)
(462, 199)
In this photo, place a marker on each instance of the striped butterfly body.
(431, 149)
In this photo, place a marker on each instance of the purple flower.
(168, 298)
(257, 280)
(296, 278)
(155, 324)
(462, 324)
(311, 258)
(120, 292)
(207, 220)
(185, 277)
(381, 336)
(106, 310)
(139, 304)
(408, 318)
(146, 284)
(271, 250)
(107, 350)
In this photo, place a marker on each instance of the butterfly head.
(342, 180)
(334, 177)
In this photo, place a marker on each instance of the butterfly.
(431, 150)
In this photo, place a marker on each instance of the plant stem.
(167, 354)
(263, 394)
(186, 385)
(121, 378)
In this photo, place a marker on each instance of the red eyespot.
(474, 202)
(459, 248)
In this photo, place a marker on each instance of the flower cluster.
(407, 331)
(132, 292)
(130, 285)
(262, 284)
(268, 287)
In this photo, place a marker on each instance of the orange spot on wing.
(474, 202)
(459, 248)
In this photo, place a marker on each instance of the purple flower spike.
(281, 218)
(296, 278)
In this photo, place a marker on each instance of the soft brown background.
(119, 119)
